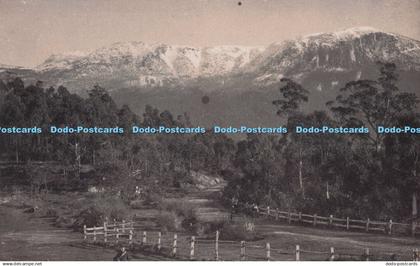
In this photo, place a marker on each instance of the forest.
(355, 175)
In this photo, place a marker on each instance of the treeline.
(154, 161)
(357, 175)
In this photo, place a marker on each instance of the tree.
(13, 115)
(373, 103)
(289, 106)
(293, 97)
(259, 165)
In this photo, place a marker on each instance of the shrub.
(137, 204)
(177, 215)
(64, 222)
(208, 228)
(152, 198)
(239, 232)
(169, 221)
(95, 213)
(50, 212)
(182, 208)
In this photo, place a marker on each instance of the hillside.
(241, 82)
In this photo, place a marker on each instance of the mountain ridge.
(241, 82)
(138, 64)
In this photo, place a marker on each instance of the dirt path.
(281, 236)
(25, 237)
(347, 243)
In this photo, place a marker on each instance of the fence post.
(192, 247)
(123, 226)
(174, 246)
(347, 223)
(300, 216)
(159, 243)
(277, 213)
(144, 239)
(268, 211)
(216, 246)
(332, 253)
(367, 224)
(390, 227)
(413, 228)
(367, 254)
(84, 232)
(94, 233)
(105, 233)
(297, 253)
(268, 249)
(242, 250)
(130, 237)
(331, 220)
(289, 217)
(314, 219)
(117, 236)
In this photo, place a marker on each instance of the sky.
(32, 30)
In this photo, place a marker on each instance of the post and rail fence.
(194, 248)
(389, 227)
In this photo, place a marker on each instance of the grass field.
(27, 236)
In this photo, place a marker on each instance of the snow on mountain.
(346, 34)
(4, 66)
(348, 50)
(60, 61)
(150, 64)
(132, 64)
(240, 81)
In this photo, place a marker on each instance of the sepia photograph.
(209, 130)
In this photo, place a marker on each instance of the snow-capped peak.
(156, 59)
(69, 55)
(10, 66)
(142, 63)
(355, 32)
(61, 61)
(122, 48)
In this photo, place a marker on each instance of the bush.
(177, 215)
(182, 208)
(152, 199)
(50, 212)
(239, 232)
(137, 204)
(208, 228)
(96, 212)
(90, 216)
(169, 221)
(64, 222)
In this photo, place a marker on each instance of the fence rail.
(367, 225)
(194, 248)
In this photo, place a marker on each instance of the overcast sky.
(31, 30)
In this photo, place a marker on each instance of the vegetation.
(120, 160)
(363, 175)
(355, 175)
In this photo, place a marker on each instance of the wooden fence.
(347, 223)
(184, 247)
(115, 231)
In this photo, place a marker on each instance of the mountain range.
(241, 82)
